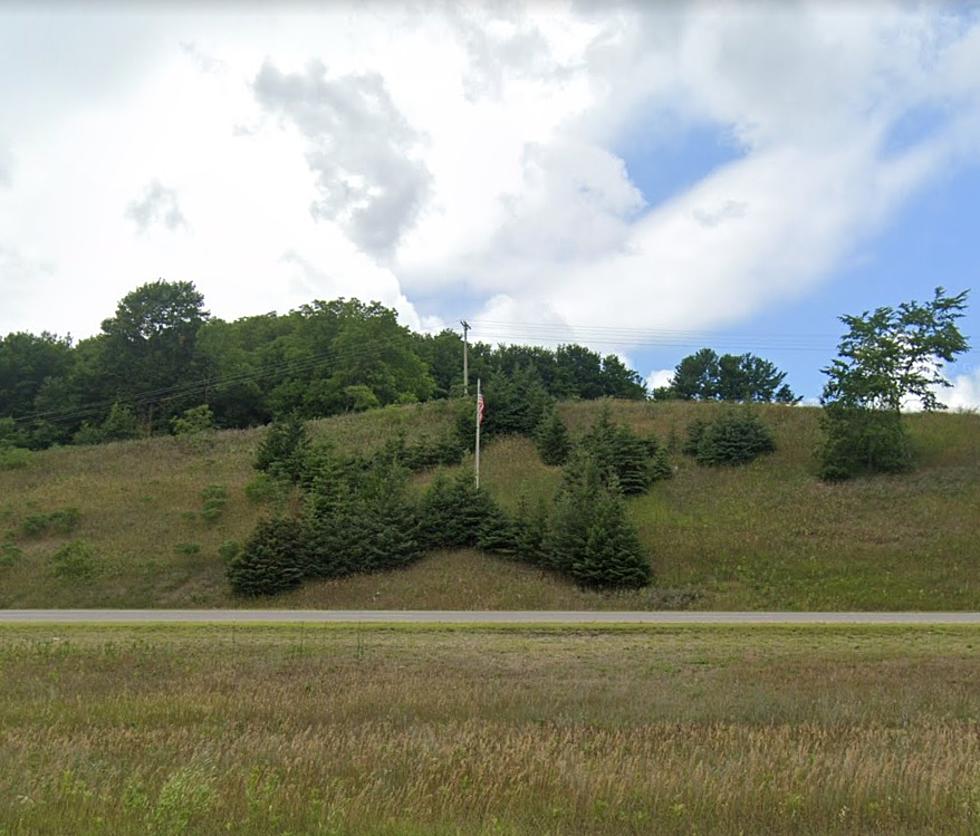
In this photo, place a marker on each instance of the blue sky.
(934, 240)
(720, 174)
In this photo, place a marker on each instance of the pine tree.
(552, 439)
(498, 533)
(272, 560)
(282, 452)
(611, 555)
(531, 531)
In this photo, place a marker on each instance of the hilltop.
(766, 536)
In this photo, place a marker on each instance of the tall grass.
(332, 729)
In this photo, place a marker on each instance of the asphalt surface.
(479, 617)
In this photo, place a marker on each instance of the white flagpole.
(477, 464)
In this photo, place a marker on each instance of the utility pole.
(466, 369)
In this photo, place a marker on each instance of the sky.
(643, 178)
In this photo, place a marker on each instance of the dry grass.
(768, 536)
(333, 729)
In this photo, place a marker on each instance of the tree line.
(162, 353)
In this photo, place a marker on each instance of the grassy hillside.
(767, 536)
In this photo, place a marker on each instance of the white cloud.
(658, 378)
(965, 393)
(468, 153)
(157, 205)
(361, 148)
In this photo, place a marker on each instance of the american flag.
(480, 406)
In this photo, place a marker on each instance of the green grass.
(418, 729)
(766, 536)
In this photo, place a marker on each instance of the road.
(479, 617)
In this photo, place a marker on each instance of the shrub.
(9, 554)
(552, 439)
(195, 421)
(14, 458)
(76, 560)
(263, 488)
(272, 559)
(733, 438)
(215, 498)
(282, 453)
(62, 521)
(187, 549)
(229, 550)
(859, 441)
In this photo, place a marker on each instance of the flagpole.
(477, 463)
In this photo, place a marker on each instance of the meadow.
(766, 536)
(536, 730)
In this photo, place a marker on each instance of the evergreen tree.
(498, 532)
(612, 555)
(531, 528)
(733, 438)
(272, 560)
(552, 439)
(282, 452)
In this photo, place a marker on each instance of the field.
(767, 536)
(412, 730)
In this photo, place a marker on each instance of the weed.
(76, 560)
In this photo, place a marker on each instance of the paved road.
(482, 617)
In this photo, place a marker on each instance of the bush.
(9, 554)
(187, 549)
(76, 560)
(552, 439)
(194, 422)
(498, 533)
(14, 458)
(282, 452)
(272, 559)
(733, 438)
(215, 498)
(229, 550)
(859, 441)
(62, 521)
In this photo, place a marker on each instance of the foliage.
(62, 521)
(282, 452)
(704, 376)
(9, 554)
(893, 354)
(590, 538)
(215, 498)
(532, 526)
(622, 456)
(187, 549)
(612, 555)
(162, 353)
(515, 403)
(76, 561)
(193, 422)
(552, 439)
(888, 357)
(735, 437)
(271, 560)
(14, 458)
(229, 550)
(453, 511)
(862, 442)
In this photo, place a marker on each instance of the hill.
(766, 536)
